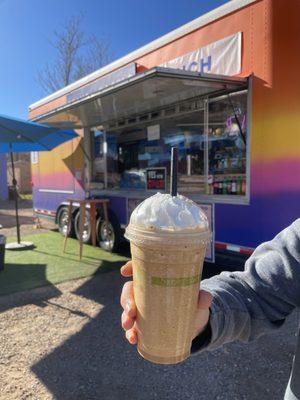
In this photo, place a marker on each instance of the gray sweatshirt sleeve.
(250, 303)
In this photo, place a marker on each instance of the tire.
(87, 232)
(62, 222)
(112, 242)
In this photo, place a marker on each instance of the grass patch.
(47, 264)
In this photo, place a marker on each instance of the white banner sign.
(34, 157)
(221, 58)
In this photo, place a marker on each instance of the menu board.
(156, 178)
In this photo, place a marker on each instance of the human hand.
(202, 314)
(129, 306)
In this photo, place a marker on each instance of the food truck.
(224, 90)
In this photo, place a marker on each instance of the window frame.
(234, 199)
(211, 198)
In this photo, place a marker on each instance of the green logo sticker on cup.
(175, 282)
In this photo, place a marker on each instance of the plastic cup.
(167, 268)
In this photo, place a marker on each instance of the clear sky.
(26, 28)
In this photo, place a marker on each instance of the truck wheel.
(87, 234)
(109, 237)
(62, 222)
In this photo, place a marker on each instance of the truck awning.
(146, 92)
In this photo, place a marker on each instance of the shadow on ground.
(20, 277)
(10, 204)
(32, 275)
(8, 221)
(97, 363)
(17, 280)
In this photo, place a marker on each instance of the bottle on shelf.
(225, 163)
(239, 186)
(224, 187)
(220, 191)
(229, 186)
(243, 186)
(233, 187)
(215, 187)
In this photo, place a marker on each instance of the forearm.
(250, 303)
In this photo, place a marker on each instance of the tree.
(76, 56)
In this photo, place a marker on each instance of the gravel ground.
(28, 222)
(65, 342)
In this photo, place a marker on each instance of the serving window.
(227, 145)
(212, 147)
(132, 151)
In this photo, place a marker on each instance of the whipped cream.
(166, 212)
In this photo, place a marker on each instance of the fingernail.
(131, 338)
(128, 306)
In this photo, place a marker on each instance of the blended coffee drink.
(168, 237)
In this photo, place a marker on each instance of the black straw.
(174, 170)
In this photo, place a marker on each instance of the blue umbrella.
(20, 136)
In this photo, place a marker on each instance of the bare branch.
(96, 56)
(76, 57)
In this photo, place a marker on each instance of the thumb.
(202, 314)
(204, 300)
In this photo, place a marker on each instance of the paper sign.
(153, 132)
(209, 211)
(34, 157)
(156, 178)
